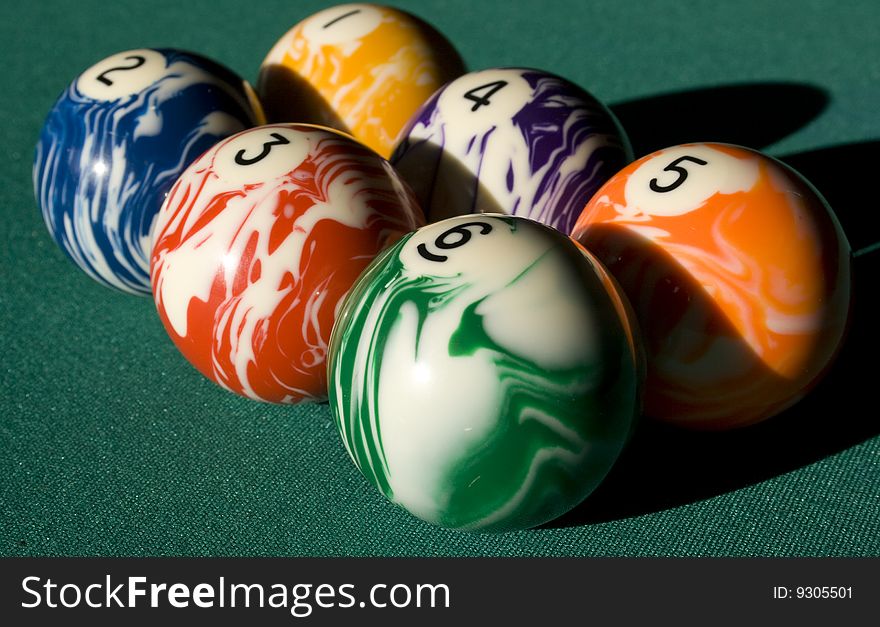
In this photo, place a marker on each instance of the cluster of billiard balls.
(486, 370)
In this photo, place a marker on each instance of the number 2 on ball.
(138, 61)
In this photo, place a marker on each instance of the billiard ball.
(361, 68)
(510, 140)
(114, 143)
(739, 274)
(256, 245)
(484, 373)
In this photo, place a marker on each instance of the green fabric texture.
(112, 444)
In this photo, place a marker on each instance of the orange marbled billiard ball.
(739, 274)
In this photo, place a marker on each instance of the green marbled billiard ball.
(484, 374)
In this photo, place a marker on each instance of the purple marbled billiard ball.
(510, 140)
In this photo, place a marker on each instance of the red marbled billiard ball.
(257, 244)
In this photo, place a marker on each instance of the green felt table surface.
(112, 444)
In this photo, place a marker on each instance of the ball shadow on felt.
(750, 114)
(846, 175)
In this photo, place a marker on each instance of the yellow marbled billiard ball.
(360, 68)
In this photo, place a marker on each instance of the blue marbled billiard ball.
(115, 142)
